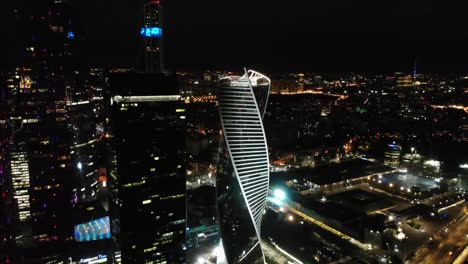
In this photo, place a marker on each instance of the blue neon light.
(93, 230)
(71, 35)
(151, 32)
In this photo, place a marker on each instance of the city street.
(447, 245)
(275, 254)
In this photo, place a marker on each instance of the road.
(454, 239)
(275, 254)
(328, 228)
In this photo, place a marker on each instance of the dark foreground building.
(148, 186)
(37, 148)
(243, 169)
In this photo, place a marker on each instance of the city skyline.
(133, 132)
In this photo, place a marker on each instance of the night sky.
(293, 35)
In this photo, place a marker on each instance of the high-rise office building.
(148, 187)
(152, 33)
(8, 210)
(40, 141)
(85, 140)
(243, 169)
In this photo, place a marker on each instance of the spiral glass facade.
(243, 167)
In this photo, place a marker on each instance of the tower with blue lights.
(152, 34)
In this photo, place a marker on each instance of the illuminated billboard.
(93, 230)
(151, 32)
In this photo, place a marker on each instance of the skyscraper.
(40, 141)
(8, 210)
(243, 169)
(148, 187)
(152, 33)
(85, 140)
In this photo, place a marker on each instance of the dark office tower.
(84, 139)
(39, 117)
(148, 128)
(243, 169)
(152, 34)
(95, 83)
(8, 209)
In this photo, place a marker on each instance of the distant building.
(243, 169)
(405, 81)
(392, 155)
(148, 188)
(284, 86)
(464, 132)
(411, 159)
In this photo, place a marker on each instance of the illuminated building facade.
(243, 169)
(393, 155)
(39, 120)
(405, 81)
(148, 187)
(152, 33)
(20, 178)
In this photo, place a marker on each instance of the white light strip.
(450, 206)
(77, 103)
(145, 98)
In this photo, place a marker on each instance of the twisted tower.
(243, 167)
